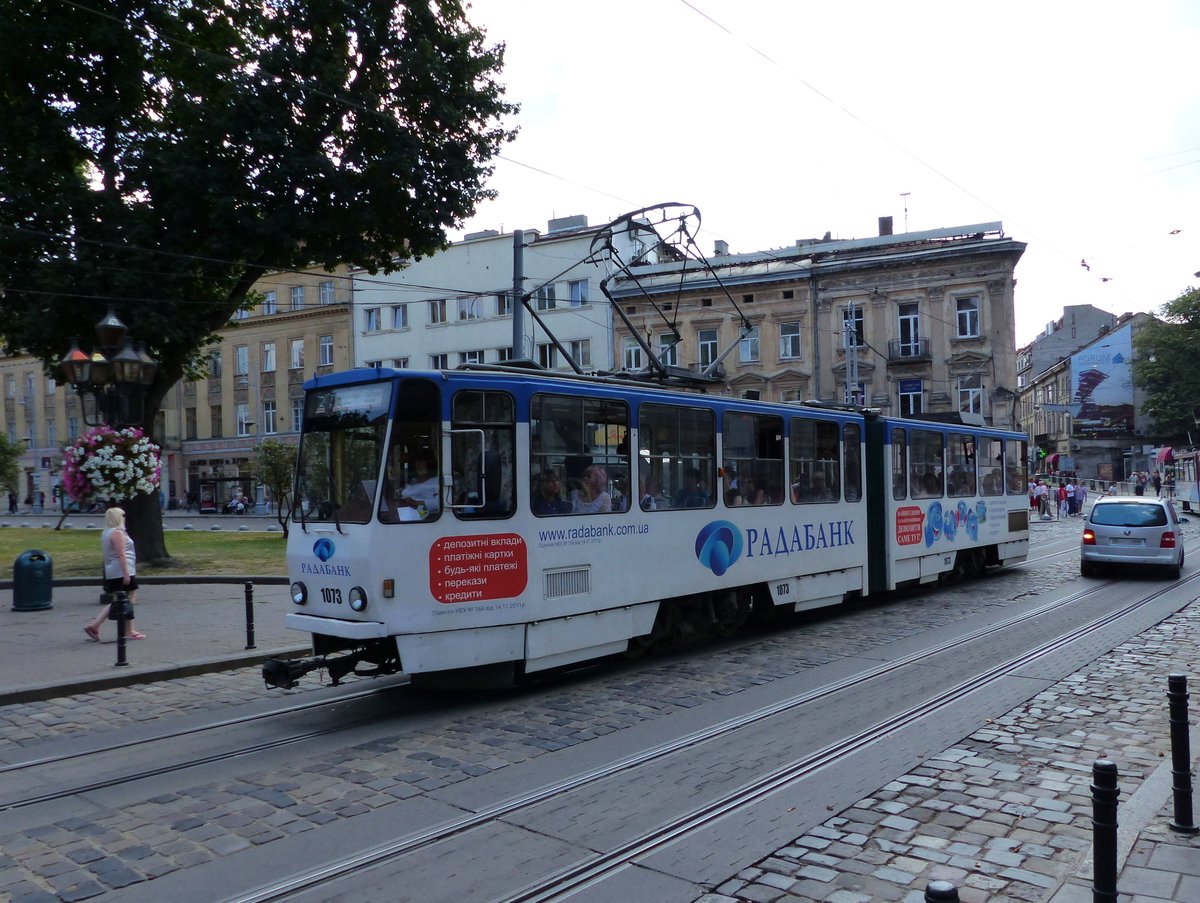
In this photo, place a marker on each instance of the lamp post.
(117, 375)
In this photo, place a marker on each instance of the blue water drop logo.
(323, 549)
(718, 546)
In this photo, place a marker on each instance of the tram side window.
(584, 443)
(815, 461)
(853, 452)
(927, 464)
(899, 465)
(961, 480)
(752, 459)
(412, 487)
(1016, 472)
(677, 457)
(483, 455)
(989, 456)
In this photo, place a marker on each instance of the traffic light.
(1041, 453)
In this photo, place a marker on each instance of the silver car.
(1134, 531)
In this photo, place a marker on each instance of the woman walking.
(120, 569)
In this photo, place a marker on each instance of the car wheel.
(1173, 572)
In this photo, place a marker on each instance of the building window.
(909, 329)
(911, 398)
(216, 428)
(547, 355)
(852, 328)
(504, 354)
(788, 294)
(189, 420)
(856, 395)
(748, 347)
(1021, 381)
(439, 361)
(72, 428)
(325, 351)
(631, 354)
(747, 299)
(297, 354)
(579, 292)
(503, 304)
(545, 297)
(269, 417)
(243, 420)
(241, 360)
(968, 317)
(29, 385)
(11, 387)
(399, 316)
(51, 385)
(471, 357)
(706, 340)
(268, 357)
(437, 311)
(668, 349)
(12, 433)
(706, 302)
(581, 350)
(214, 364)
(400, 363)
(270, 304)
(297, 413)
(241, 313)
(371, 365)
(51, 434)
(372, 323)
(789, 341)
(468, 309)
(970, 394)
(325, 293)
(297, 297)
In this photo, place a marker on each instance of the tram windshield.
(341, 448)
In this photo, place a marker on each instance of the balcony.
(900, 351)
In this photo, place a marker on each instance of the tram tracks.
(294, 738)
(591, 869)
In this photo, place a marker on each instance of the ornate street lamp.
(116, 375)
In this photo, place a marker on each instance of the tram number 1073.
(783, 589)
(331, 596)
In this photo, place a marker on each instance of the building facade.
(1083, 414)
(916, 324)
(455, 307)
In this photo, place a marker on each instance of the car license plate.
(1127, 541)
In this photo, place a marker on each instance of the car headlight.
(358, 599)
(299, 593)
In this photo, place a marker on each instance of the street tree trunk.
(144, 523)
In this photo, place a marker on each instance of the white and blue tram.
(515, 521)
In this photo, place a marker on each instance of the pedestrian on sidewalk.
(120, 569)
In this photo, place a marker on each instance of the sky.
(1076, 125)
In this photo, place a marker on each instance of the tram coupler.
(284, 674)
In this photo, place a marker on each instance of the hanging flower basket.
(110, 465)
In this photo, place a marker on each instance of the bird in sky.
(1084, 264)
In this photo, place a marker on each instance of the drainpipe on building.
(816, 357)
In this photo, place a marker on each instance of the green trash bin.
(33, 581)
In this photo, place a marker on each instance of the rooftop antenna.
(905, 194)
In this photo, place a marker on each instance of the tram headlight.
(299, 593)
(358, 599)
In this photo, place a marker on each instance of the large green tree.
(159, 156)
(1164, 366)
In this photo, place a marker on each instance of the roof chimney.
(720, 248)
(885, 225)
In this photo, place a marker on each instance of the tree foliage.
(1165, 366)
(275, 466)
(10, 470)
(159, 156)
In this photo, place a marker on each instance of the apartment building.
(917, 324)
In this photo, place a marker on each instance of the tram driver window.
(1016, 471)
(960, 480)
(585, 443)
(412, 486)
(676, 458)
(927, 464)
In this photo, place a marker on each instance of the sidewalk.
(192, 626)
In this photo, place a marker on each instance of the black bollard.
(1104, 831)
(249, 614)
(120, 613)
(941, 892)
(1181, 755)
